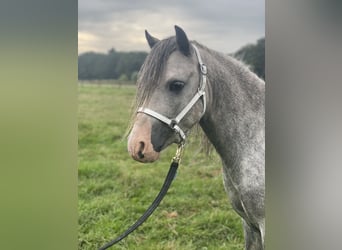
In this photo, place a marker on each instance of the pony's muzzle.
(139, 143)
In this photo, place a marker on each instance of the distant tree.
(254, 56)
(112, 65)
(90, 65)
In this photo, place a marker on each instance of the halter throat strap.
(174, 123)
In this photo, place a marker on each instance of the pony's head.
(168, 80)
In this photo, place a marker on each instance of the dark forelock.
(153, 68)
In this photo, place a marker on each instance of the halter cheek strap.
(174, 123)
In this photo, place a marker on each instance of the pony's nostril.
(140, 155)
(141, 149)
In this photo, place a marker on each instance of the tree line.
(254, 56)
(125, 65)
(113, 65)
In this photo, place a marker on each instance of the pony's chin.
(159, 145)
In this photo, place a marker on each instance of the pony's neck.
(234, 120)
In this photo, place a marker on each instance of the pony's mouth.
(141, 152)
(162, 136)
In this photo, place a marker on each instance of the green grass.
(115, 190)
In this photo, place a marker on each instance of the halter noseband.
(174, 123)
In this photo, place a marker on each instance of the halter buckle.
(203, 68)
(173, 123)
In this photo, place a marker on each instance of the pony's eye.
(176, 86)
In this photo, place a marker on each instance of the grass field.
(115, 190)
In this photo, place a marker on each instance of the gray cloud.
(223, 25)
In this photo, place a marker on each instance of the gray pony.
(229, 107)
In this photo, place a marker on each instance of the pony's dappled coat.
(233, 121)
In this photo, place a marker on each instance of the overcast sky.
(223, 25)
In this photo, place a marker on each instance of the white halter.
(174, 123)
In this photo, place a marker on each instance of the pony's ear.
(150, 39)
(182, 41)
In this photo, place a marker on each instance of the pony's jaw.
(139, 142)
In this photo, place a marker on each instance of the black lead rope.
(167, 183)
